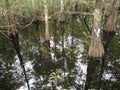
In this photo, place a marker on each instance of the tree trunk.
(49, 64)
(47, 34)
(13, 34)
(108, 33)
(96, 50)
(73, 9)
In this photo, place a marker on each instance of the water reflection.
(65, 69)
(62, 71)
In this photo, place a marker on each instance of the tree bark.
(13, 34)
(47, 35)
(108, 34)
(49, 64)
(96, 50)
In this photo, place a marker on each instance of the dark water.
(63, 67)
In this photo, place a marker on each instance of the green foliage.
(63, 64)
